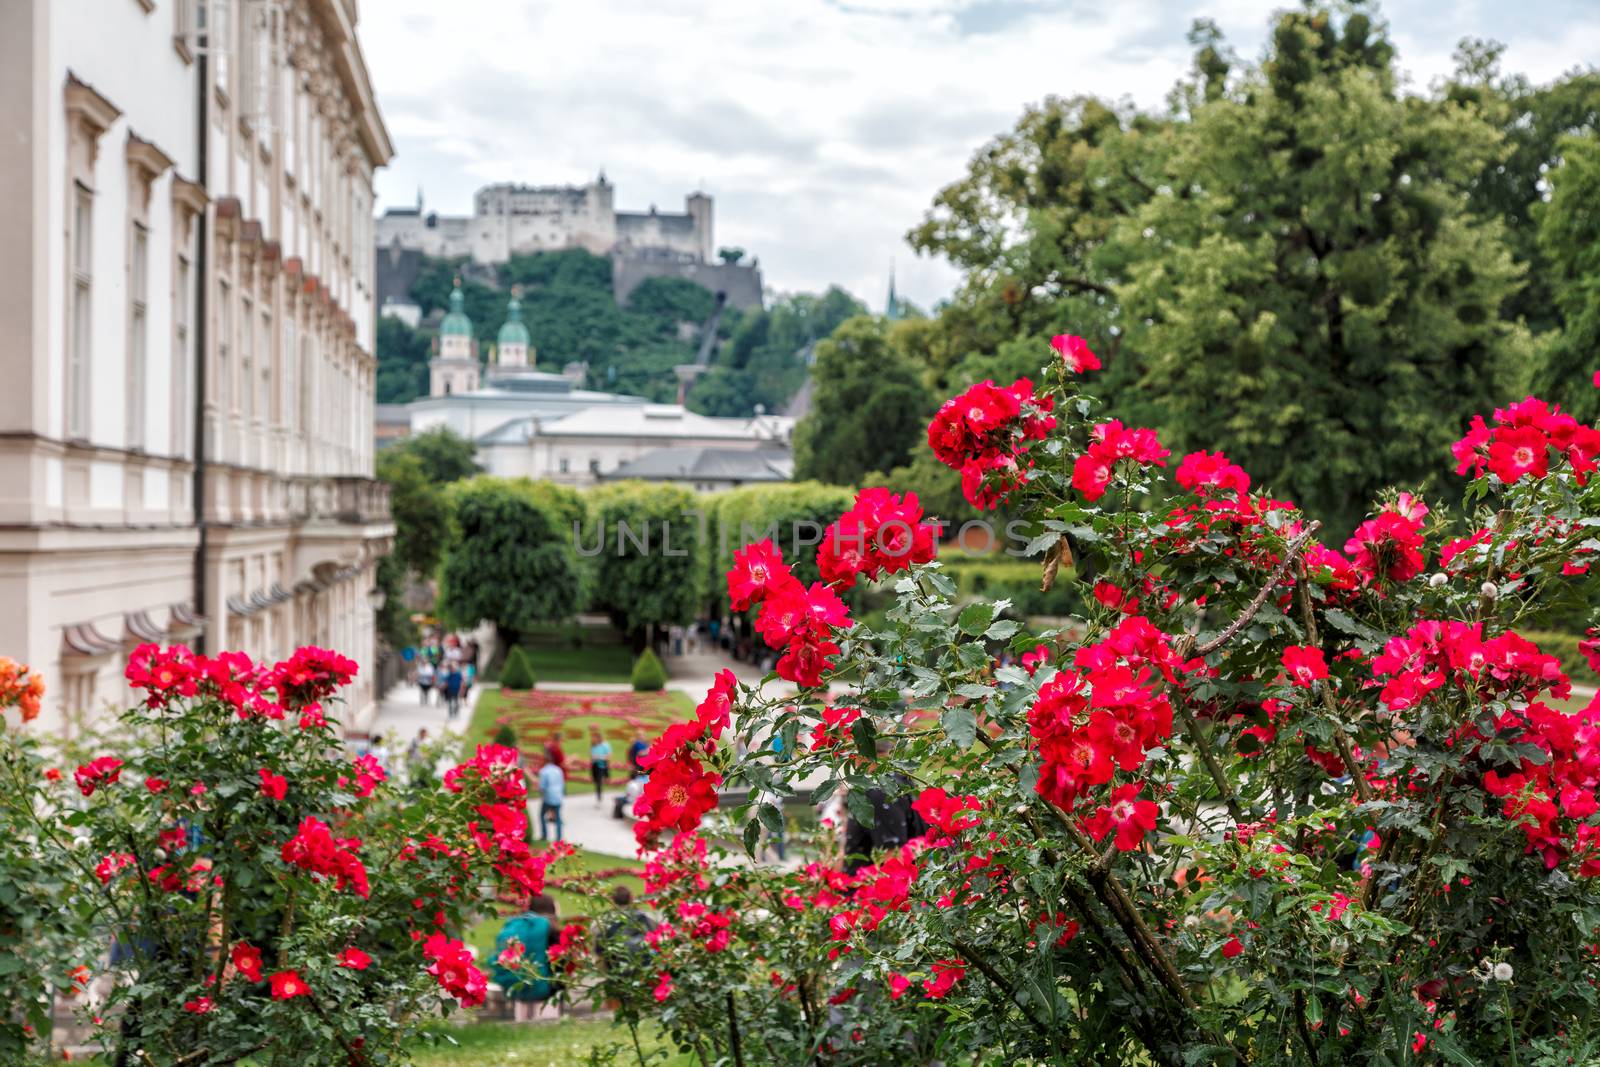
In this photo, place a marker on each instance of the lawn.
(557, 1044)
(575, 653)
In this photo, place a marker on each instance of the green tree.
(869, 408)
(510, 560)
(420, 511)
(1333, 327)
(1569, 241)
(1287, 264)
(647, 555)
(444, 455)
(672, 300)
(1533, 120)
(402, 362)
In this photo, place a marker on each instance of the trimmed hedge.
(1016, 580)
(649, 676)
(518, 672)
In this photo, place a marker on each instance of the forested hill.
(569, 309)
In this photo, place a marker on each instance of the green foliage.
(184, 857)
(1248, 265)
(510, 559)
(1533, 120)
(419, 508)
(394, 619)
(672, 300)
(647, 556)
(1006, 578)
(402, 362)
(763, 360)
(1569, 239)
(794, 515)
(517, 674)
(445, 456)
(649, 676)
(869, 408)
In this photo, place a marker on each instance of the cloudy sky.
(822, 127)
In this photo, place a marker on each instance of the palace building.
(187, 314)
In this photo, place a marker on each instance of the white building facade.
(187, 320)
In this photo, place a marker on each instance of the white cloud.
(822, 127)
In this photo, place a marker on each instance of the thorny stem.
(1290, 553)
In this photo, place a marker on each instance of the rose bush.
(267, 898)
(1268, 802)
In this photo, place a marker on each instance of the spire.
(419, 198)
(891, 307)
(455, 321)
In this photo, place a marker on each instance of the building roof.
(709, 464)
(391, 415)
(663, 420)
(455, 321)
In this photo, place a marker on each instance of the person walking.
(469, 674)
(425, 679)
(521, 964)
(452, 689)
(637, 750)
(552, 792)
(599, 763)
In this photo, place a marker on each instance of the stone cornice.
(146, 159)
(188, 196)
(87, 107)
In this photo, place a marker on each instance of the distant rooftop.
(709, 464)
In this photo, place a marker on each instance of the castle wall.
(742, 284)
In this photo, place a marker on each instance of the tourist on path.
(599, 763)
(521, 963)
(552, 792)
(452, 689)
(425, 679)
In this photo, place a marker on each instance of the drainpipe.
(202, 287)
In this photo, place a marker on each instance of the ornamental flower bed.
(268, 899)
(1271, 801)
(537, 714)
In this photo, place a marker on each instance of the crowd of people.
(446, 667)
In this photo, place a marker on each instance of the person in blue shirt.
(552, 792)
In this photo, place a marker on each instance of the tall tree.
(649, 555)
(1515, 181)
(869, 408)
(1309, 288)
(511, 560)
(402, 362)
(1569, 240)
(419, 508)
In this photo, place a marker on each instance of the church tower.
(513, 350)
(454, 367)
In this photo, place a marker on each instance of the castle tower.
(698, 205)
(513, 345)
(454, 367)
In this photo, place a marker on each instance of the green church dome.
(514, 332)
(456, 323)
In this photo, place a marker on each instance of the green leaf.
(770, 817)
(1042, 542)
(865, 735)
(975, 618)
(752, 831)
(961, 726)
(1002, 630)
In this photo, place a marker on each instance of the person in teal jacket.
(522, 957)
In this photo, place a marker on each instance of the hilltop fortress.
(509, 219)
